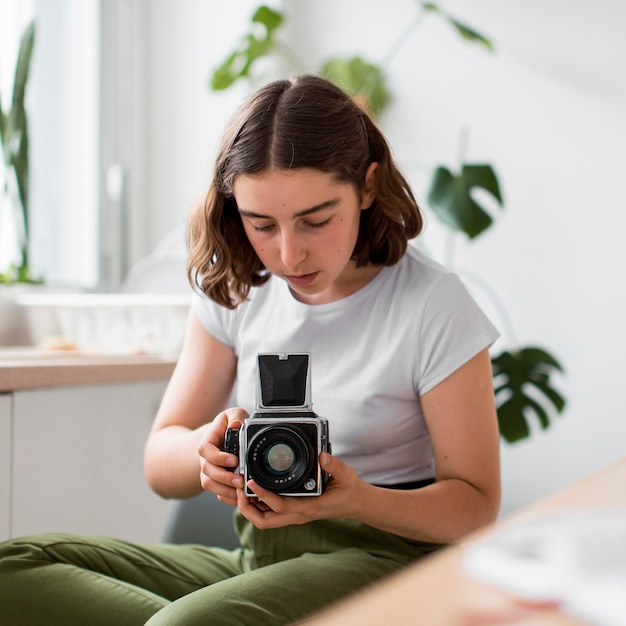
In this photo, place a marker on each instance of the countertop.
(439, 591)
(30, 368)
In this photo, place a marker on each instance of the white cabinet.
(5, 464)
(77, 461)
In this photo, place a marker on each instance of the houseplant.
(522, 375)
(15, 158)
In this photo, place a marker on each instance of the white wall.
(547, 110)
(180, 117)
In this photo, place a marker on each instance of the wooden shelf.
(32, 369)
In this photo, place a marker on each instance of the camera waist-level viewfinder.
(279, 444)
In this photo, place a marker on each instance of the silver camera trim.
(322, 429)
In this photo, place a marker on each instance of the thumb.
(235, 416)
(331, 464)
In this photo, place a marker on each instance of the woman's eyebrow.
(328, 204)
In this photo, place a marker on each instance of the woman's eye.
(319, 224)
(262, 229)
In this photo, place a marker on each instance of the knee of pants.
(33, 547)
(277, 594)
(24, 550)
(227, 605)
(192, 611)
(40, 585)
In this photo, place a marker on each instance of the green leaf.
(238, 64)
(13, 122)
(227, 73)
(16, 118)
(21, 274)
(269, 18)
(362, 80)
(514, 373)
(22, 67)
(2, 123)
(252, 47)
(468, 33)
(14, 132)
(450, 197)
(20, 162)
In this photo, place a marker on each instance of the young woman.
(300, 246)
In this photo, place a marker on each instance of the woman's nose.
(292, 250)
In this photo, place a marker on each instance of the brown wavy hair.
(290, 124)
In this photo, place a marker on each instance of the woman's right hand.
(216, 466)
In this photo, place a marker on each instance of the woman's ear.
(369, 189)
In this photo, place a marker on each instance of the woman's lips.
(302, 280)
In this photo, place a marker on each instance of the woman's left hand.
(271, 510)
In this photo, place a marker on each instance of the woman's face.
(304, 225)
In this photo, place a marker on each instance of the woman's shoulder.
(419, 272)
(224, 323)
(419, 259)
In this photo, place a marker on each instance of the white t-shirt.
(372, 355)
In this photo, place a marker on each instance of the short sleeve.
(213, 317)
(454, 329)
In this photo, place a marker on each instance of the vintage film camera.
(279, 444)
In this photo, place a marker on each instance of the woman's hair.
(305, 122)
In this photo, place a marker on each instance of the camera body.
(279, 444)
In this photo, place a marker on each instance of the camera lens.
(279, 457)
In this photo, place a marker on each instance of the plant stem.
(463, 146)
(461, 154)
(21, 224)
(401, 40)
(505, 319)
(450, 245)
(289, 55)
(370, 85)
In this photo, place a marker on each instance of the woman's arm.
(462, 421)
(461, 417)
(199, 389)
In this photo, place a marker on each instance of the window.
(62, 102)
(14, 16)
(64, 113)
(122, 125)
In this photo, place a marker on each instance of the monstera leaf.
(451, 200)
(363, 81)
(514, 374)
(251, 48)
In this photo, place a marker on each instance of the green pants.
(276, 577)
